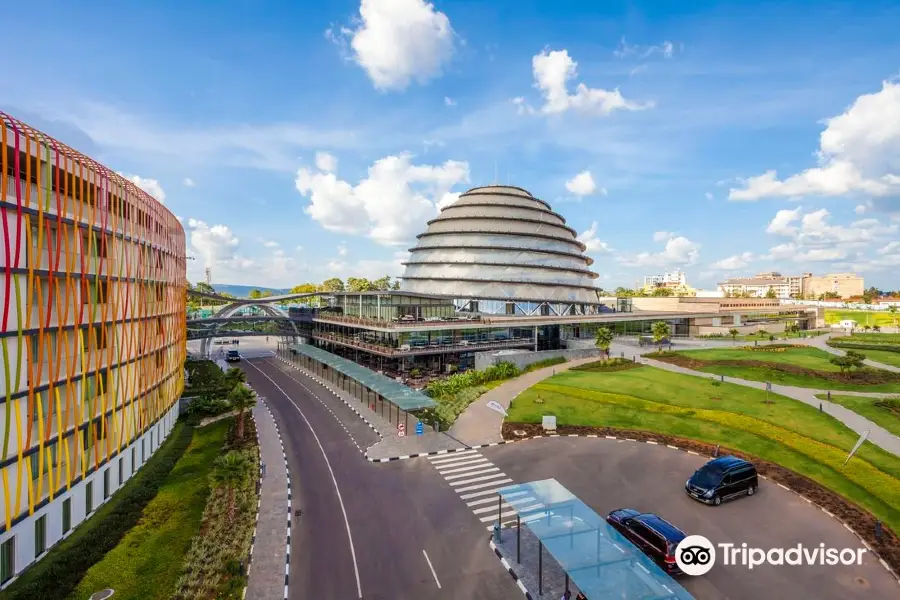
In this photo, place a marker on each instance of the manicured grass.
(866, 407)
(147, 562)
(870, 338)
(883, 356)
(785, 431)
(862, 317)
(804, 357)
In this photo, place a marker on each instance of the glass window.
(40, 536)
(66, 515)
(35, 465)
(121, 471)
(105, 484)
(7, 559)
(88, 498)
(133, 452)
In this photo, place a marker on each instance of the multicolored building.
(92, 321)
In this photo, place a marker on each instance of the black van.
(721, 479)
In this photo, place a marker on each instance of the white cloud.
(216, 244)
(666, 50)
(732, 263)
(271, 244)
(298, 249)
(593, 244)
(859, 152)
(662, 236)
(583, 185)
(188, 182)
(342, 249)
(552, 70)
(679, 250)
(151, 186)
(782, 223)
(448, 101)
(890, 248)
(326, 162)
(390, 205)
(398, 41)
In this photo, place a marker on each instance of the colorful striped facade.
(92, 319)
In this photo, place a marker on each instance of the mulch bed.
(860, 520)
(859, 377)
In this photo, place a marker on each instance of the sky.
(299, 141)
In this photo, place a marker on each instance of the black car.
(232, 356)
(721, 479)
(653, 535)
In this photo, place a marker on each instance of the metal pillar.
(540, 567)
(519, 539)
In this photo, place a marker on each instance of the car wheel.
(751, 490)
(717, 500)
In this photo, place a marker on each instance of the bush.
(547, 362)
(612, 364)
(205, 406)
(858, 346)
(58, 574)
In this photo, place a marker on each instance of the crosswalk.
(476, 480)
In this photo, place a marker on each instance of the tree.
(382, 283)
(840, 362)
(660, 331)
(734, 333)
(241, 399)
(229, 472)
(792, 328)
(870, 294)
(234, 376)
(770, 293)
(893, 310)
(304, 288)
(358, 284)
(604, 339)
(396, 285)
(254, 294)
(204, 288)
(851, 360)
(876, 328)
(867, 327)
(332, 285)
(663, 292)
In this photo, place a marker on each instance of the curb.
(258, 503)
(435, 452)
(510, 570)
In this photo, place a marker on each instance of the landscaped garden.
(880, 347)
(793, 365)
(884, 411)
(778, 430)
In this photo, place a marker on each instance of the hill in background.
(243, 291)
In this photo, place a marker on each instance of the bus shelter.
(384, 396)
(599, 560)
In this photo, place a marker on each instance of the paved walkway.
(877, 434)
(479, 424)
(268, 566)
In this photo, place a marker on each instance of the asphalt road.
(395, 512)
(610, 474)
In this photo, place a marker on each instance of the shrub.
(863, 346)
(58, 574)
(547, 362)
(612, 364)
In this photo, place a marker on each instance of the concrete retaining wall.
(522, 359)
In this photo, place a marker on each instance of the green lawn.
(805, 357)
(866, 407)
(863, 317)
(870, 338)
(883, 356)
(147, 562)
(787, 432)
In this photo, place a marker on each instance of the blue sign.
(420, 429)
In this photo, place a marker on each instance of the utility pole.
(208, 276)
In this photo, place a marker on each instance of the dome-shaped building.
(501, 243)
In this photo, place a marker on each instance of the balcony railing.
(368, 322)
(462, 346)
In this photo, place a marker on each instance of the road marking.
(430, 566)
(330, 470)
(483, 462)
(481, 472)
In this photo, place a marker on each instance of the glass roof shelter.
(599, 560)
(389, 398)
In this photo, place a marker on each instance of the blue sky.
(302, 140)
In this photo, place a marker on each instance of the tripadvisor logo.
(696, 555)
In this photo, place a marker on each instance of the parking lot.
(611, 474)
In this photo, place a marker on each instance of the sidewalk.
(877, 434)
(478, 424)
(268, 577)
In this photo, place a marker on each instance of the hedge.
(876, 482)
(857, 346)
(57, 575)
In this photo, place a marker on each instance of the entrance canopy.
(599, 560)
(399, 395)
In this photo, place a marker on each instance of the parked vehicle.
(232, 356)
(722, 479)
(653, 535)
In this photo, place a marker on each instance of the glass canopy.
(598, 559)
(396, 393)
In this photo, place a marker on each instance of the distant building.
(675, 280)
(806, 285)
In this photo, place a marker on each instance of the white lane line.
(503, 515)
(484, 470)
(482, 485)
(481, 493)
(475, 479)
(430, 566)
(457, 457)
(457, 467)
(330, 470)
(505, 504)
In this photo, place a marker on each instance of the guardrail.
(430, 349)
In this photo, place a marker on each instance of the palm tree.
(241, 399)
(228, 472)
(234, 376)
(604, 339)
(734, 333)
(867, 327)
(893, 310)
(660, 331)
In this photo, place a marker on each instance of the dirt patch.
(860, 520)
(859, 377)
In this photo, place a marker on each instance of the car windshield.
(706, 478)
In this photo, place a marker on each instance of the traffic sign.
(420, 429)
(401, 430)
